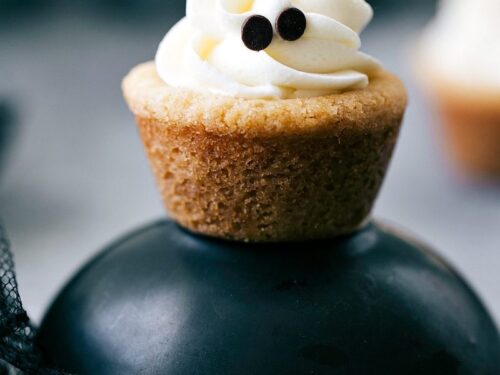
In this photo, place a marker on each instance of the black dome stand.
(164, 301)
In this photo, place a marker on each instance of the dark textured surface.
(16, 334)
(18, 352)
(162, 301)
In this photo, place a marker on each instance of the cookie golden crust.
(149, 97)
(267, 170)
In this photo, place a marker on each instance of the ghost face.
(268, 48)
(354, 14)
(257, 31)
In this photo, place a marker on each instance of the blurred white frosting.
(205, 52)
(462, 44)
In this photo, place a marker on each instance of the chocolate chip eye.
(291, 24)
(257, 33)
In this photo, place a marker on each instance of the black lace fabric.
(18, 351)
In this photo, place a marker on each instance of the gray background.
(77, 177)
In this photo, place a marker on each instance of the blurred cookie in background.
(459, 64)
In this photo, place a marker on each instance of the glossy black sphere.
(164, 301)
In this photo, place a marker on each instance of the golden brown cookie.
(267, 170)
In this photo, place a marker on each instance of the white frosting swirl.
(204, 51)
(462, 44)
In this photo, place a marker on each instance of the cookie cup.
(267, 170)
(471, 125)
